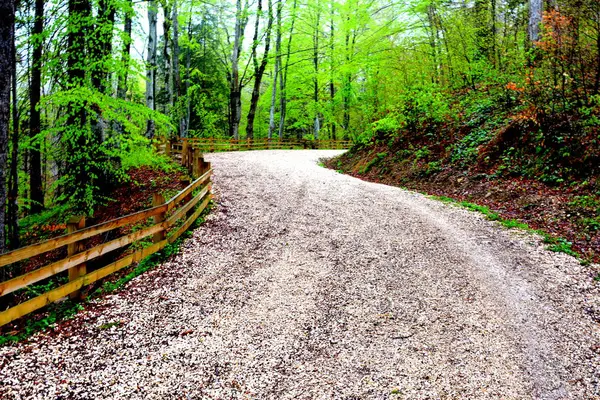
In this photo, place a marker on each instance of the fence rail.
(179, 146)
(165, 229)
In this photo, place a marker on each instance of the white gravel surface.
(308, 284)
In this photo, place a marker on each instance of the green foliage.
(373, 162)
(58, 312)
(138, 155)
(109, 325)
(560, 245)
(422, 153)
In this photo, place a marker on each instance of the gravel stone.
(307, 284)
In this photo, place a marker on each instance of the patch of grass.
(560, 245)
(67, 309)
(492, 216)
(513, 223)
(557, 245)
(109, 325)
(58, 312)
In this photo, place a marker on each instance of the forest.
(511, 87)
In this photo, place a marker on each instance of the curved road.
(308, 284)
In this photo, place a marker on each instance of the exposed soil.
(308, 284)
(540, 206)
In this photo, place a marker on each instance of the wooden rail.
(165, 229)
(180, 147)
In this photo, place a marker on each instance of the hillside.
(523, 164)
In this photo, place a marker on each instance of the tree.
(35, 157)
(284, 75)
(235, 82)
(151, 65)
(276, 70)
(259, 69)
(7, 22)
(126, 51)
(536, 9)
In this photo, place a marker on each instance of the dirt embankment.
(568, 211)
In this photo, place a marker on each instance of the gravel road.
(308, 284)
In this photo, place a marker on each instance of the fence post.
(168, 148)
(158, 200)
(195, 163)
(184, 150)
(75, 224)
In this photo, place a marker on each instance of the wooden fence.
(209, 145)
(170, 220)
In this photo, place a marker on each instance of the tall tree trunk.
(332, 124)
(151, 65)
(13, 179)
(188, 63)
(597, 83)
(7, 21)
(126, 52)
(176, 71)
(167, 54)
(495, 60)
(101, 50)
(317, 125)
(536, 9)
(283, 75)
(347, 88)
(235, 86)
(35, 174)
(80, 146)
(259, 68)
(276, 70)
(432, 42)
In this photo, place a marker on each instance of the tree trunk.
(283, 75)
(235, 86)
(176, 71)
(432, 42)
(167, 23)
(125, 56)
(536, 9)
(101, 50)
(317, 125)
(188, 62)
(13, 179)
(347, 89)
(276, 70)
(332, 133)
(80, 147)
(151, 65)
(7, 21)
(259, 69)
(35, 174)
